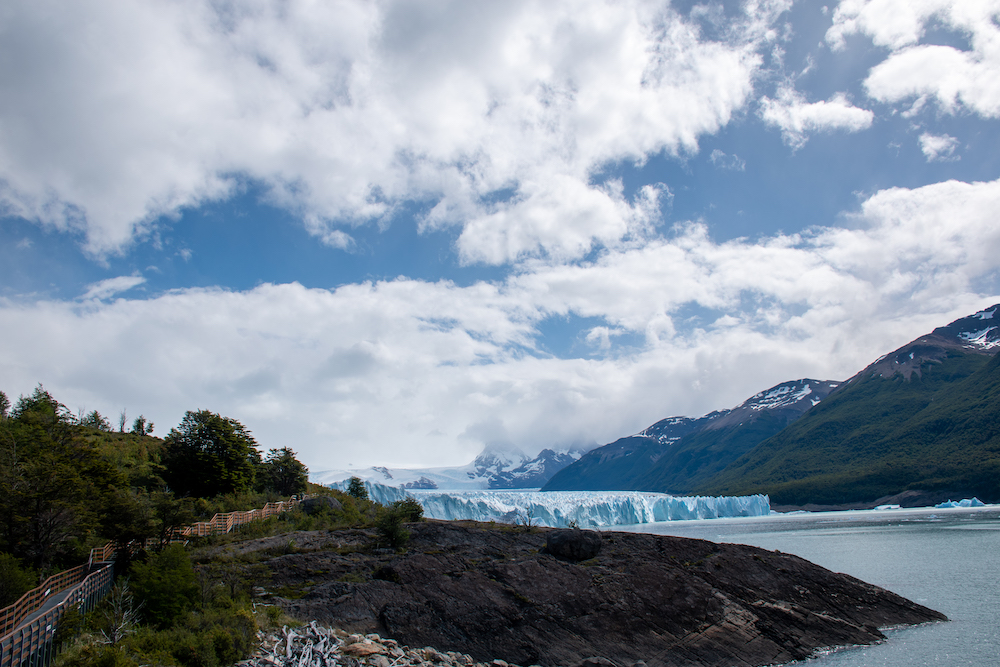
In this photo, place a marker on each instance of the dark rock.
(320, 504)
(596, 661)
(575, 544)
(491, 592)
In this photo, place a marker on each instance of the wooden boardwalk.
(28, 626)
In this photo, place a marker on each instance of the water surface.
(948, 560)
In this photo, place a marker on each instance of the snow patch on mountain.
(502, 467)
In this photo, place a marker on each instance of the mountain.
(677, 454)
(919, 423)
(497, 467)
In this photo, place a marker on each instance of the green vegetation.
(390, 521)
(356, 489)
(936, 431)
(69, 483)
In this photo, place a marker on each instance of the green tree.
(208, 455)
(95, 419)
(15, 580)
(165, 585)
(171, 513)
(389, 525)
(51, 480)
(283, 473)
(4, 405)
(356, 489)
(142, 426)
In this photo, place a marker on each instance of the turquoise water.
(948, 560)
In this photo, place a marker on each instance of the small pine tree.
(356, 489)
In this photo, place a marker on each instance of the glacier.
(559, 509)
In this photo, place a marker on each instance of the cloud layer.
(116, 114)
(410, 372)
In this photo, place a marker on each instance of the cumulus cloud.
(342, 111)
(955, 78)
(938, 147)
(797, 118)
(407, 372)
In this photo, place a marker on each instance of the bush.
(390, 526)
(15, 580)
(165, 585)
(410, 509)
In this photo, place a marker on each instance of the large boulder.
(320, 504)
(573, 544)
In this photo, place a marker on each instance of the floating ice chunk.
(968, 502)
(887, 507)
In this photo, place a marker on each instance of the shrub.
(389, 525)
(165, 585)
(15, 580)
(410, 509)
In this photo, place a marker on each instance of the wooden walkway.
(28, 626)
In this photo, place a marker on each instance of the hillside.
(921, 420)
(677, 454)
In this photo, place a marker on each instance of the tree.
(356, 489)
(95, 419)
(141, 426)
(49, 480)
(207, 455)
(4, 406)
(166, 585)
(283, 473)
(122, 420)
(15, 580)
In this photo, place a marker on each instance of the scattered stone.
(573, 544)
(317, 646)
(597, 661)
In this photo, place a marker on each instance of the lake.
(945, 559)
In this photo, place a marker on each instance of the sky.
(397, 232)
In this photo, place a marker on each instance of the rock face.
(575, 545)
(492, 593)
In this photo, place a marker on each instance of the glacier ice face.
(563, 508)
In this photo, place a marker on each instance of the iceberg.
(968, 502)
(559, 509)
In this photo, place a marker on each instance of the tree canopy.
(207, 455)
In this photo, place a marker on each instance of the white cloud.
(731, 162)
(119, 113)
(112, 286)
(955, 78)
(938, 147)
(797, 118)
(409, 372)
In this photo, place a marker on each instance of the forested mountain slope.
(677, 454)
(921, 418)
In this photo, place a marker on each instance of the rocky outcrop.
(574, 545)
(490, 592)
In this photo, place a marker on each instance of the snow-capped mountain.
(977, 333)
(916, 426)
(675, 453)
(497, 467)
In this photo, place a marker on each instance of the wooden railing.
(35, 599)
(33, 643)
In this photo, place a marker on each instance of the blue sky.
(393, 233)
